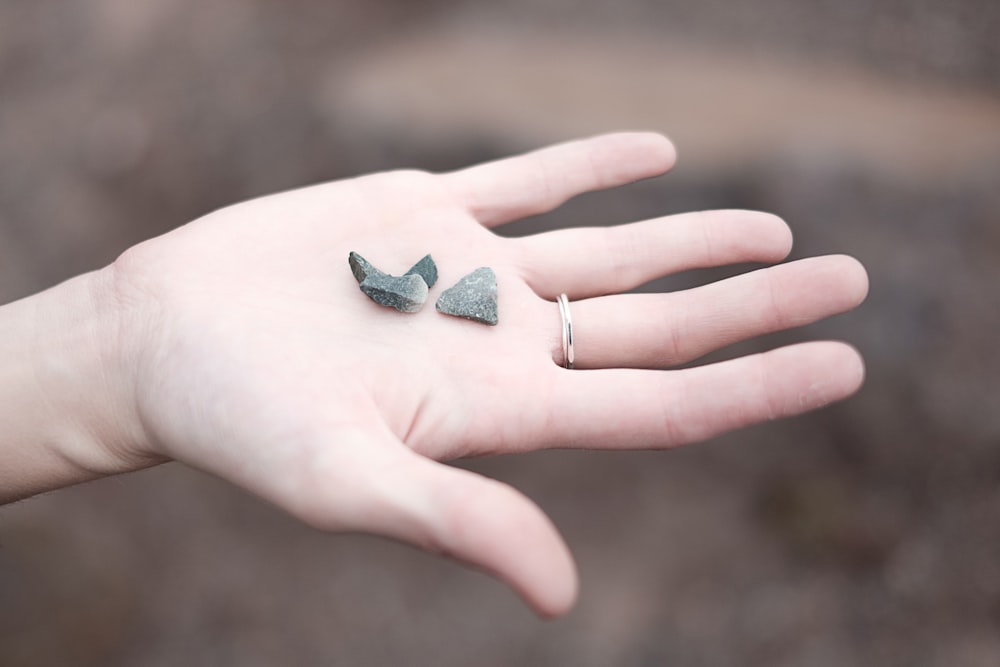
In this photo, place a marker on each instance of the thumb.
(476, 520)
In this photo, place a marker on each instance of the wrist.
(67, 408)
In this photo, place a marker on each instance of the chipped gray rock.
(474, 297)
(406, 294)
(426, 269)
(361, 267)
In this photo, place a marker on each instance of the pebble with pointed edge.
(361, 267)
(426, 269)
(474, 297)
(406, 293)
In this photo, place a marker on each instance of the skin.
(240, 344)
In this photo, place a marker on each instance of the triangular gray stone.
(426, 269)
(406, 294)
(474, 297)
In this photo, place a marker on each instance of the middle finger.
(593, 261)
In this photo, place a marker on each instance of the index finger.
(539, 181)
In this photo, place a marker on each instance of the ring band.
(567, 330)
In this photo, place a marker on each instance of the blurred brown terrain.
(865, 534)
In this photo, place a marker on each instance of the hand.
(253, 354)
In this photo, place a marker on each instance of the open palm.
(256, 357)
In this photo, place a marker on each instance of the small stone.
(426, 269)
(406, 294)
(361, 267)
(474, 297)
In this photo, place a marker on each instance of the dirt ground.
(864, 534)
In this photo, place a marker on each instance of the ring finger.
(663, 330)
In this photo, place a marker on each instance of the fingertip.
(856, 277)
(810, 375)
(845, 280)
(661, 150)
(772, 233)
(842, 372)
(781, 231)
(561, 590)
(755, 235)
(853, 365)
(641, 154)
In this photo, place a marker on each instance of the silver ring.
(567, 330)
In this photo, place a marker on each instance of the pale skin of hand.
(240, 344)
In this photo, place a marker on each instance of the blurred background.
(864, 534)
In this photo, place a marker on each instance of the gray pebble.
(406, 294)
(474, 297)
(426, 269)
(361, 267)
